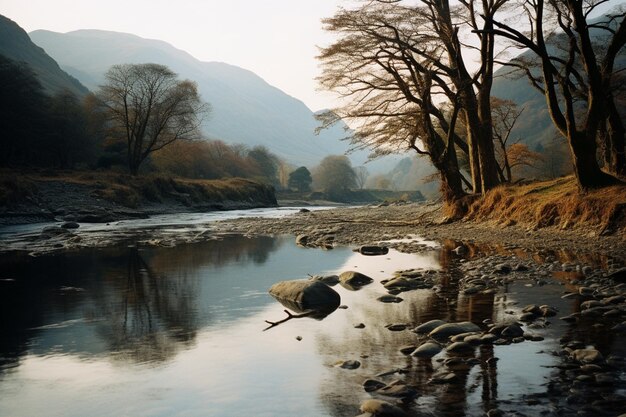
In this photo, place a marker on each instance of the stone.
(302, 240)
(396, 327)
(70, 225)
(503, 268)
(388, 298)
(326, 279)
(446, 378)
(428, 327)
(381, 408)
(305, 295)
(372, 385)
(401, 283)
(54, 231)
(586, 356)
(354, 279)
(349, 364)
(512, 331)
(399, 390)
(373, 250)
(407, 350)
(427, 350)
(548, 311)
(460, 348)
(451, 329)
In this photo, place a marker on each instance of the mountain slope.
(17, 46)
(245, 108)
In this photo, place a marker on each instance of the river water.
(131, 331)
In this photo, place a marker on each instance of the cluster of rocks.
(589, 383)
(451, 346)
(411, 279)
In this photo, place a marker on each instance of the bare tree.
(571, 69)
(150, 108)
(361, 175)
(505, 115)
(403, 69)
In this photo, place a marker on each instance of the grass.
(557, 203)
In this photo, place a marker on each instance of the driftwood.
(289, 317)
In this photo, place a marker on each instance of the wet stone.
(429, 326)
(407, 350)
(396, 327)
(427, 350)
(349, 364)
(451, 329)
(371, 385)
(586, 355)
(461, 348)
(380, 408)
(388, 298)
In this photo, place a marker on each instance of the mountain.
(17, 46)
(245, 108)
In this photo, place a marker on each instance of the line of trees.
(406, 83)
(143, 117)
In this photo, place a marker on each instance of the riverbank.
(85, 197)
(504, 219)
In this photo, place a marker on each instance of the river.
(179, 331)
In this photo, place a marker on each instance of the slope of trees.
(39, 130)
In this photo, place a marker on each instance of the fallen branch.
(289, 317)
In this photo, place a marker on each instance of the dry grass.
(556, 203)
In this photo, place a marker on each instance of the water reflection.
(140, 305)
(178, 331)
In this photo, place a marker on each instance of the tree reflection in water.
(139, 305)
(381, 349)
(152, 317)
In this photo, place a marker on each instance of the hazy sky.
(274, 38)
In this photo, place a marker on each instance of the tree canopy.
(300, 180)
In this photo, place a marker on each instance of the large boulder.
(304, 295)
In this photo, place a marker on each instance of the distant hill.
(17, 46)
(245, 108)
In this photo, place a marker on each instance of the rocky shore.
(394, 223)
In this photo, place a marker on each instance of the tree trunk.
(586, 167)
(451, 183)
(614, 141)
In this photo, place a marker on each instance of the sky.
(276, 39)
